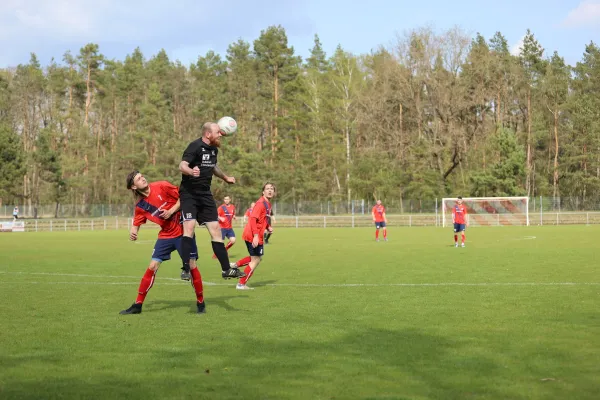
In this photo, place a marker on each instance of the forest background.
(437, 114)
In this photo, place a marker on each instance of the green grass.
(496, 322)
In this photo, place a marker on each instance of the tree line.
(434, 115)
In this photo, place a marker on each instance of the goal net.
(489, 211)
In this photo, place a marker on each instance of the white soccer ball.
(227, 125)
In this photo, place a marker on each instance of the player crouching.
(258, 223)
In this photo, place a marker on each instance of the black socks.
(188, 250)
(221, 253)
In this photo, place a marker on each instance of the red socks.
(197, 284)
(248, 271)
(145, 285)
(462, 236)
(148, 281)
(243, 261)
(385, 233)
(376, 233)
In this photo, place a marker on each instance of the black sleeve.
(190, 152)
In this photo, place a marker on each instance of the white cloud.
(586, 14)
(89, 20)
(515, 50)
(182, 27)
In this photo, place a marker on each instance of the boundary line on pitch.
(79, 275)
(338, 285)
(526, 238)
(341, 285)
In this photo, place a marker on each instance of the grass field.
(335, 315)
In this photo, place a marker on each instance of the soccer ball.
(227, 125)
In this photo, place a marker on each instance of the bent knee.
(154, 265)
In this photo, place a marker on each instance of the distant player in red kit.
(248, 212)
(380, 220)
(270, 221)
(253, 235)
(460, 220)
(226, 213)
(159, 203)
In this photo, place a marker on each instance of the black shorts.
(257, 251)
(201, 207)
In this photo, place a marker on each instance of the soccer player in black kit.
(198, 165)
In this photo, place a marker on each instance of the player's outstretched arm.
(220, 174)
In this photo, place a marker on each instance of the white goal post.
(489, 211)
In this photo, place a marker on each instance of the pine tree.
(278, 64)
(533, 67)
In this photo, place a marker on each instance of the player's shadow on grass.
(406, 363)
(363, 363)
(221, 301)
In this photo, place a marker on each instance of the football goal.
(489, 211)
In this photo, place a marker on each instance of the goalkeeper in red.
(258, 223)
(460, 220)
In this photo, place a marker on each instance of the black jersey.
(201, 155)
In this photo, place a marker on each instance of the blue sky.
(189, 28)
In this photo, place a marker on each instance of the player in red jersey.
(159, 203)
(248, 212)
(226, 213)
(253, 235)
(270, 221)
(460, 220)
(380, 220)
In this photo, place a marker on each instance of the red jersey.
(226, 212)
(378, 211)
(258, 222)
(459, 213)
(163, 196)
(248, 212)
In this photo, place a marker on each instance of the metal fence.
(325, 222)
(69, 211)
(300, 208)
